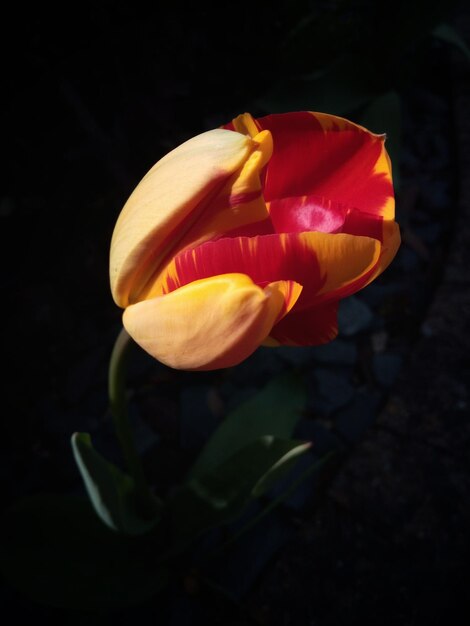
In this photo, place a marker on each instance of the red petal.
(324, 264)
(264, 258)
(313, 213)
(362, 223)
(307, 213)
(325, 156)
(311, 327)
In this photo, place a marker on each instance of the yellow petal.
(245, 124)
(391, 243)
(290, 290)
(209, 324)
(238, 204)
(165, 204)
(343, 259)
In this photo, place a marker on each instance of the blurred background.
(93, 96)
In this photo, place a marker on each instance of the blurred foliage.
(274, 410)
(59, 550)
(372, 38)
(354, 58)
(121, 87)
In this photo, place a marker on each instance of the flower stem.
(120, 411)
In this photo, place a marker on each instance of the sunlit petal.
(165, 204)
(322, 263)
(322, 155)
(209, 324)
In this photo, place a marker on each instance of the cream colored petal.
(167, 202)
(239, 203)
(209, 324)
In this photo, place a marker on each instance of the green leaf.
(220, 495)
(280, 467)
(56, 551)
(273, 504)
(384, 115)
(110, 490)
(275, 410)
(446, 33)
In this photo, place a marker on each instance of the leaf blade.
(221, 494)
(275, 411)
(111, 491)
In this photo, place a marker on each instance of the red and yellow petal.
(322, 155)
(321, 214)
(245, 124)
(167, 202)
(390, 245)
(290, 291)
(322, 263)
(239, 207)
(346, 261)
(209, 324)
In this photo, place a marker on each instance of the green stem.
(120, 411)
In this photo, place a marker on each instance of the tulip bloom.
(251, 234)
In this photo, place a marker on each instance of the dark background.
(93, 96)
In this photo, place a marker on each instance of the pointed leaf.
(221, 494)
(282, 465)
(110, 490)
(275, 410)
(55, 550)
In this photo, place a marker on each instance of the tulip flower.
(250, 235)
